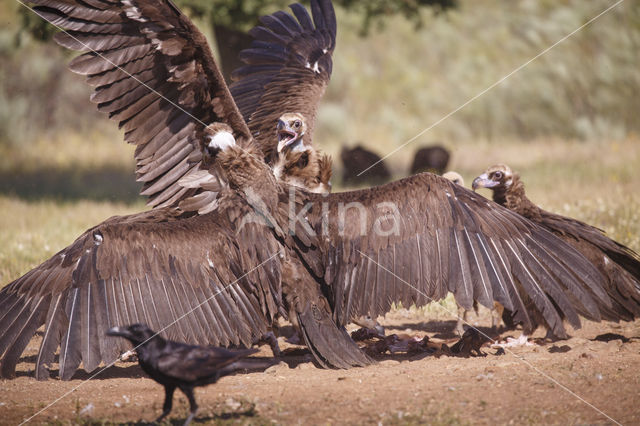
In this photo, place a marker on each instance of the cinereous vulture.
(358, 159)
(619, 265)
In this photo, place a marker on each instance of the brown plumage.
(131, 61)
(159, 267)
(433, 159)
(358, 159)
(288, 69)
(414, 240)
(619, 265)
(195, 152)
(263, 248)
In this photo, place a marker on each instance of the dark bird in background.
(178, 365)
(619, 265)
(433, 159)
(358, 159)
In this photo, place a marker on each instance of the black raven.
(178, 365)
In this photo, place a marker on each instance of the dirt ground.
(577, 381)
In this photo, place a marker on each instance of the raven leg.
(168, 402)
(188, 391)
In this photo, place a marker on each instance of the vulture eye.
(297, 124)
(497, 175)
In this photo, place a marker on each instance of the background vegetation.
(568, 121)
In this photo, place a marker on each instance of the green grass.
(32, 231)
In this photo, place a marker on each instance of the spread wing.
(154, 74)
(151, 268)
(414, 240)
(619, 264)
(288, 68)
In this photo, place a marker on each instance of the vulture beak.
(483, 181)
(288, 138)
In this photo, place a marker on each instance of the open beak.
(287, 137)
(483, 181)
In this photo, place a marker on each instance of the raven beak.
(483, 181)
(118, 331)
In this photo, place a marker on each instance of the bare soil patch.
(555, 383)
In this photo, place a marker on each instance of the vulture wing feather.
(141, 53)
(477, 249)
(288, 68)
(152, 267)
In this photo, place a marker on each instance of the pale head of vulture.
(298, 164)
(505, 184)
(454, 177)
(217, 137)
(291, 129)
(498, 176)
(241, 164)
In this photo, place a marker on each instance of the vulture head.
(508, 189)
(306, 169)
(454, 177)
(291, 129)
(137, 334)
(217, 137)
(298, 164)
(498, 177)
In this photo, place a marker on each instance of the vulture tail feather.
(329, 345)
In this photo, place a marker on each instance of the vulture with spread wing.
(154, 73)
(619, 265)
(228, 247)
(288, 69)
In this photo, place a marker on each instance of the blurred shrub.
(399, 80)
(38, 94)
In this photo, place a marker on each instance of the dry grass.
(33, 231)
(593, 182)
